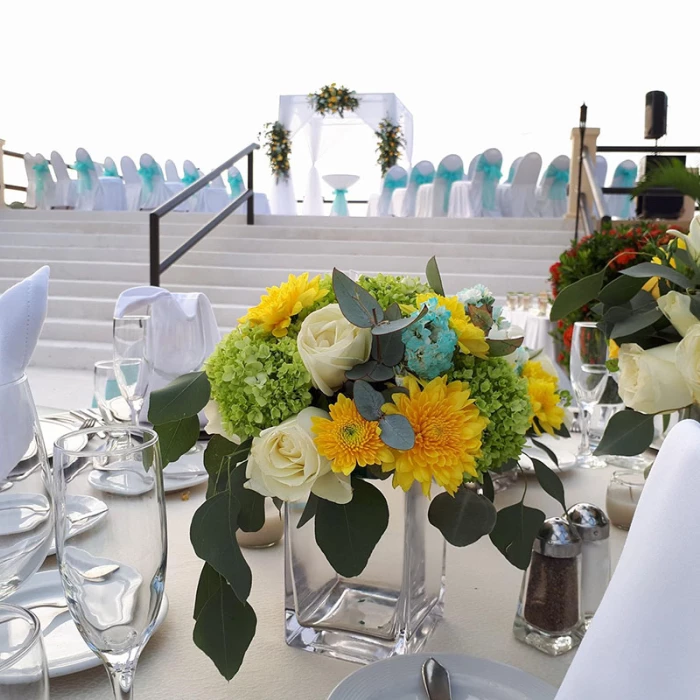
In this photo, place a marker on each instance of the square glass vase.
(391, 608)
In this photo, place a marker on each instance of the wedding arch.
(297, 113)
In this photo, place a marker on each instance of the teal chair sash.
(340, 203)
(189, 178)
(394, 183)
(148, 173)
(511, 173)
(41, 170)
(560, 179)
(420, 179)
(492, 174)
(450, 177)
(235, 182)
(625, 177)
(111, 172)
(84, 168)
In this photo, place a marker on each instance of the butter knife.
(436, 681)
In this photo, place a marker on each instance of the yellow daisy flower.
(471, 340)
(348, 440)
(276, 308)
(448, 429)
(545, 405)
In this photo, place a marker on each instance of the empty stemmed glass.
(113, 576)
(131, 366)
(588, 378)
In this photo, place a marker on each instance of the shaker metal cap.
(590, 522)
(557, 538)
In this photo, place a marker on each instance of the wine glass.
(588, 377)
(23, 670)
(131, 366)
(113, 576)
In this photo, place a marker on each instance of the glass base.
(590, 462)
(638, 464)
(357, 625)
(546, 642)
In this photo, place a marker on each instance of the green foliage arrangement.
(672, 174)
(331, 99)
(390, 143)
(278, 148)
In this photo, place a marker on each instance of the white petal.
(333, 487)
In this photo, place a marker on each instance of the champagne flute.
(588, 378)
(113, 576)
(131, 367)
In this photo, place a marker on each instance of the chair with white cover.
(395, 178)
(153, 189)
(472, 167)
(174, 185)
(110, 168)
(422, 173)
(643, 640)
(518, 198)
(601, 170)
(551, 194)
(132, 183)
(45, 185)
(433, 199)
(235, 182)
(620, 206)
(511, 171)
(30, 201)
(213, 197)
(171, 174)
(66, 193)
(477, 197)
(89, 187)
(113, 196)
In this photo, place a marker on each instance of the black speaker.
(659, 206)
(655, 115)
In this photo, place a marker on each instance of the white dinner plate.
(566, 458)
(187, 472)
(122, 482)
(399, 678)
(66, 652)
(22, 512)
(84, 512)
(52, 431)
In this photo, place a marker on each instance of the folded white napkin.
(174, 317)
(22, 314)
(644, 639)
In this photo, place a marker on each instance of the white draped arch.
(296, 113)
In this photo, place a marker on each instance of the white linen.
(519, 197)
(601, 170)
(175, 188)
(472, 167)
(157, 193)
(171, 174)
(421, 173)
(113, 194)
(66, 193)
(621, 206)
(132, 183)
(90, 196)
(110, 166)
(45, 185)
(372, 205)
(395, 174)
(467, 197)
(424, 200)
(547, 206)
(22, 315)
(644, 638)
(261, 205)
(212, 199)
(396, 204)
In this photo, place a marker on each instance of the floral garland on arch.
(328, 385)
(278, 147)
(391, 141)
(331, 99)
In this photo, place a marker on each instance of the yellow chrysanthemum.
(448, 429)
(545, 406)
(613, 350)
(348, 440)
(276, 308)
(471, 340)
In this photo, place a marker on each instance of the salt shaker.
(549, 609)
(593, 528)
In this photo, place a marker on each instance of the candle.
(623, 495)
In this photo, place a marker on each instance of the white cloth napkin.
(22, 314)
(644, 639)
(173, 316)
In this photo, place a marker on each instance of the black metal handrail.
(157, 268)
(647, 149)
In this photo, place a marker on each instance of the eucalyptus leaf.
(209, 583)
(549, 481)
(432, 273)
(348, 533)
(357, 304)
(489, 491)
(251, 505)
(620, 290)
(515, 532)
(548, 451)
(463, 518)
(648, 270)
(576, 295)
(501, 348)
(309, 510)
(397, 432)
(219, 455)
(370, 371)
(386, 327)
(368, 401)
(389, 349)
(636, 322)
(628, 433)
(185, 396)
(176, 438)
(480, 317)
(393, 312)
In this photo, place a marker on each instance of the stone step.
(70, 354)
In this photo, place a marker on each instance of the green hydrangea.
(387, 289)
(257, 380)
(502, 397)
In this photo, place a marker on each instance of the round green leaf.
(186, 396)
(177, 438)
(576, 295)
(463, 518)
(628, 433)
(549, 481)
(515, 532)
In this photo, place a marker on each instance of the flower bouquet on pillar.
(372, 413)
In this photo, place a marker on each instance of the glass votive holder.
(269, 534)
(512, 300)
(527, 301)
(520, 296)
(624, 491)
(542, 303)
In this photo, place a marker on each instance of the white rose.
(285, 463)
(330, 345)
(215, 425)
(688, 360)
(505, 333)
(649, 380)
(676, 307)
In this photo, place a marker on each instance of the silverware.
(436, 680)
(92, 514)
(99, 573)
(52, 604)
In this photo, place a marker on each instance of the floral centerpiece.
(278, 148)
(390, 143)
(334, 397)
(651, 316)
(331, 99)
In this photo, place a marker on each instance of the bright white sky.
(198, 79)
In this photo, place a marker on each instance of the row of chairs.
(100, 187)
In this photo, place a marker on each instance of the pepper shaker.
(549, 609)
(593, 528)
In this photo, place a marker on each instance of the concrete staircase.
(94, 256)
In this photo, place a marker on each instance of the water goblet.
(131, 366)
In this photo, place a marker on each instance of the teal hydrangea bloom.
(502, 397)
(257, 380)
(430, 343)
(387, 289)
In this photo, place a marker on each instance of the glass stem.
(134, 414)
(122, 683)
(584, 449)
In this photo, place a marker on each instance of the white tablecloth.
(113, 194)
(536, 329)
(424, 201)
(396, 204)
(482, 593)
(459, 200)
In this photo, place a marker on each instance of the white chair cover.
(99, 169)
(132, 183)
(89, 186)
(519, 198)
(110, 168)
(601, 170)
(45, 185)
(261, 204)
(113, 197)
(643, 640)
(153, 189)
(472, 167)
(404, 200)
(477, 197)
(395, 177)
(551, 193)
(30, 201)
(171, 174)
(213, 197)
(620, 206)
(449, 172)
(235, 182)
(66, 193)
(511, 172)
(373, 205)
